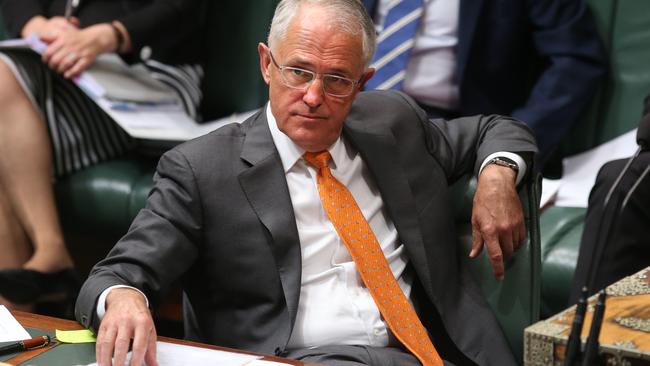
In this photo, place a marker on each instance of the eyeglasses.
(297, 78)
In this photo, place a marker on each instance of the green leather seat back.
(516, 300)
(233, 82)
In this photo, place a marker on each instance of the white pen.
(70, 7)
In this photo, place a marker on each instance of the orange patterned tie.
(354, 230)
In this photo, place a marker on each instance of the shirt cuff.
(101, 302)
(521, 163)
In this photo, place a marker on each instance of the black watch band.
(503, 161)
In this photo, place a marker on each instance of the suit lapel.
(379, 152)
(467, 20)
(266, 189)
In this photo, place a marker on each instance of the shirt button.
(377, 332)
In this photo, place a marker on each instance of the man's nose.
(314, 94)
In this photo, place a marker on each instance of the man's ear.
(265, 61)
(366, 76)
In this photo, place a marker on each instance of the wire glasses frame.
(301, 79)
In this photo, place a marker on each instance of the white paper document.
(170, 354)
(580, 170)
(10, 329)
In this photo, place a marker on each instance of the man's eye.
(300, 73)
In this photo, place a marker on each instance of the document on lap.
(10, 329)
(144, 107)
(170, 354)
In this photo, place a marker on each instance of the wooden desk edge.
(48, 323)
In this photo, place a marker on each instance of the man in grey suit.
(237, 217)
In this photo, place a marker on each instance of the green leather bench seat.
(98, 204)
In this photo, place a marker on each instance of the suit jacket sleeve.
(565, 37)
(459, 145)
(161, 243)
(16, 13)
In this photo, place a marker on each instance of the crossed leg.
(30, 223)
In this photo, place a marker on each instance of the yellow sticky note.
(75, 336)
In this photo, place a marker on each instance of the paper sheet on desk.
(10, 329)
(580, 170)
(170, 354)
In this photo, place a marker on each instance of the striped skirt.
(81, 133)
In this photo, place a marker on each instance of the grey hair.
(349, 16)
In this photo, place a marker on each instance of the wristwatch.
(502, 161)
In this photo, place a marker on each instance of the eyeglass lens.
(299, 78)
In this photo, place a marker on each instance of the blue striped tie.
(394, 44)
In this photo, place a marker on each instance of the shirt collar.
(290, 152)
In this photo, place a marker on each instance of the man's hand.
(497, 217)
(127, 318)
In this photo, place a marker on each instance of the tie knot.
(318, 159)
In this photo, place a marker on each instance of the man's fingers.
(496, 258)
(138, 350)
(142, 333)
(522, 235)
(122, 342)
(150, 355)
(104, 345)
(506, 242)
(477, 242)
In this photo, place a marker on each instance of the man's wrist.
(505, 158)
(102, 302)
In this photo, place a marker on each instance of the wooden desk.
(624, 336)
(50, 324)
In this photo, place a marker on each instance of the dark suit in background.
(615, 238)
(220, 218)
(539, 61)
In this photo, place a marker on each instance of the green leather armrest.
(561, 231)
(515, 300)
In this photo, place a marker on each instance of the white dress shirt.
(335, 307)
(430, 73)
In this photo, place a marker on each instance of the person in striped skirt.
(50, 129)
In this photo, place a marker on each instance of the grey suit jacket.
(220, 219)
